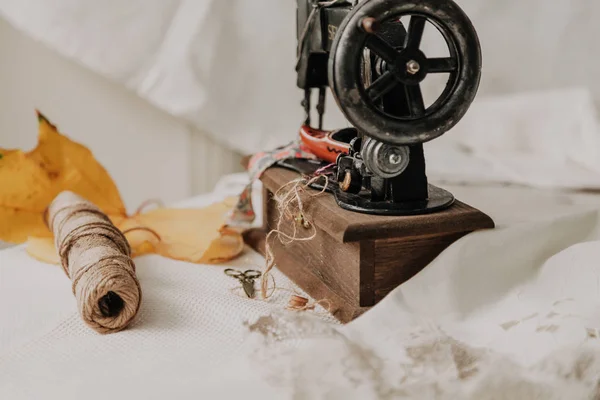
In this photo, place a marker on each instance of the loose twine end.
(291, 208)
(299, 303)
(147, 203)
(296, 301)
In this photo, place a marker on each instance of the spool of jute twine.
(96, 256)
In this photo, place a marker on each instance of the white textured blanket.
(507, 314)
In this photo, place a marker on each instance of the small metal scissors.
(247, 279)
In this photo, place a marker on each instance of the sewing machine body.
(312, 68)
(381, 222)
(374, 66)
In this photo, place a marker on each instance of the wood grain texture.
(348, 226)
(356, 260)
(336, 266)
(367, 273)
(256, 238)
(398, 260)
(326, 215)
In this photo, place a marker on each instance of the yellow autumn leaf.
(194, 235)
(42, 249)
(30, 182)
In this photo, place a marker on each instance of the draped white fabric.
(227, 67)
(546, 139)
(510, 313)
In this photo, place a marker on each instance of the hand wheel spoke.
(382, 85)
(414, 98)
(415, 32)
(380, 47)
(439, 65)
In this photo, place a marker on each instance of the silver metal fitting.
(384, 160)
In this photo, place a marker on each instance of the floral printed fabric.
(243, 213)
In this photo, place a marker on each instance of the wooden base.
(356, 259)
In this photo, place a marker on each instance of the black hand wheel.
(405, 67)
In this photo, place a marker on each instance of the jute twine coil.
(96, 256)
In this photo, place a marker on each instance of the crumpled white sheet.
(507, 314)
(200, 60)
(510, 313)
(545, 139)
(205, 60)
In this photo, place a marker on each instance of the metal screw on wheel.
(407, 67)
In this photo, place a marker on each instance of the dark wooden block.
(357, 259)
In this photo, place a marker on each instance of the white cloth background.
(545, 139)
(511, 313)
(206, 60)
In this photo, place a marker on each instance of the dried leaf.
(193, 235)
(32, 180)
(226, 247)
(43, 250)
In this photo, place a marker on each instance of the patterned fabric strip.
(243, 214)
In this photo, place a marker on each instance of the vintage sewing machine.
(381, 222)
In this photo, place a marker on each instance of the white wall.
(148, 153)
(526, 45)
(145, 151)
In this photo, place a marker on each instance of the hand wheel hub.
(410, 67)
